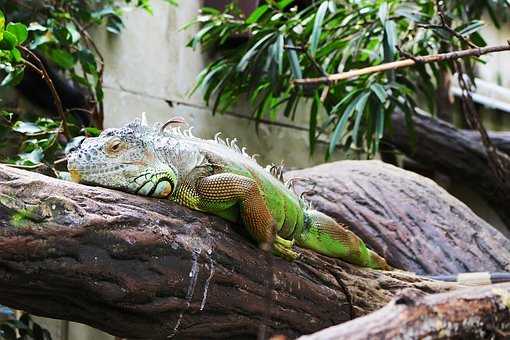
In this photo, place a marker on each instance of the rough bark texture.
(473, 313)
(144, 268)
(457, 153)
(409, 219)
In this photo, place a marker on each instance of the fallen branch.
(474, 313)
(473, 52)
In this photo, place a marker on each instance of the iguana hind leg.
(324, 235)
(222, 191)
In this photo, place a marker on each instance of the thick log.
(409, 219)
(474, 313)
(457, 153)
(145, 268)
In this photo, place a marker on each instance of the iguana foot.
(283, 248)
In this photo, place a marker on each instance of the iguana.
(217, 177)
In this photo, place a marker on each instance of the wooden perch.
(457, 153)
(474, 313)
(145, 268)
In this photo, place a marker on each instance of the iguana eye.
(114, 145)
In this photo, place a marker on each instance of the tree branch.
(135, 266)
(403, 63)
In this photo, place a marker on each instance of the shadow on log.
(457, 153)
(145, 268)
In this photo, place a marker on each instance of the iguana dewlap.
(214, 176)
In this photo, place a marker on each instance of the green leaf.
(6, 115)
(313, 121)
(256, 14)
(294, 60)
(13, 78)
(88, 61)
(317, 27)
(73, 143)
(62, 58)
(243, 63)
(26, 127)
(103, 12)
(390, 40)
(35, 26)
(9, 41)
(34, 156)
(2, 25)
(379, 91)
(16, 55)
(379, 125)
(339, 129)
(279, 49)
(19, 30)
(383, 12)
(41, 40)
(470, 28)
(92, 131)
(73, 32)
(284, 3)
(360, 109)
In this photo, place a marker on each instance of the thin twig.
(41, 70)
(403, 63)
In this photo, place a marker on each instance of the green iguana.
(217, 177)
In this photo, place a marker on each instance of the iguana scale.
(217, 177)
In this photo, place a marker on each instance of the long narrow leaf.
(360, 109)
(317, 27)
(337, 134)
(313, 121)
(294, 60)
(243, 63)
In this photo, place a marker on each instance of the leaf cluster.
(288, 42)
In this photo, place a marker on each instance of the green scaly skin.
(217, 177)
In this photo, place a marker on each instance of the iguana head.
(124, 159)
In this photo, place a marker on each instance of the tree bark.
(474, 313)
(457, 153)
(138, 267)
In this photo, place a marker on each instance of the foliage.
(288, 42)
(57, 31)
(24, 326)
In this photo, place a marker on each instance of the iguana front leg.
(220, 192)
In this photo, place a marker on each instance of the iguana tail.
(324, 235)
